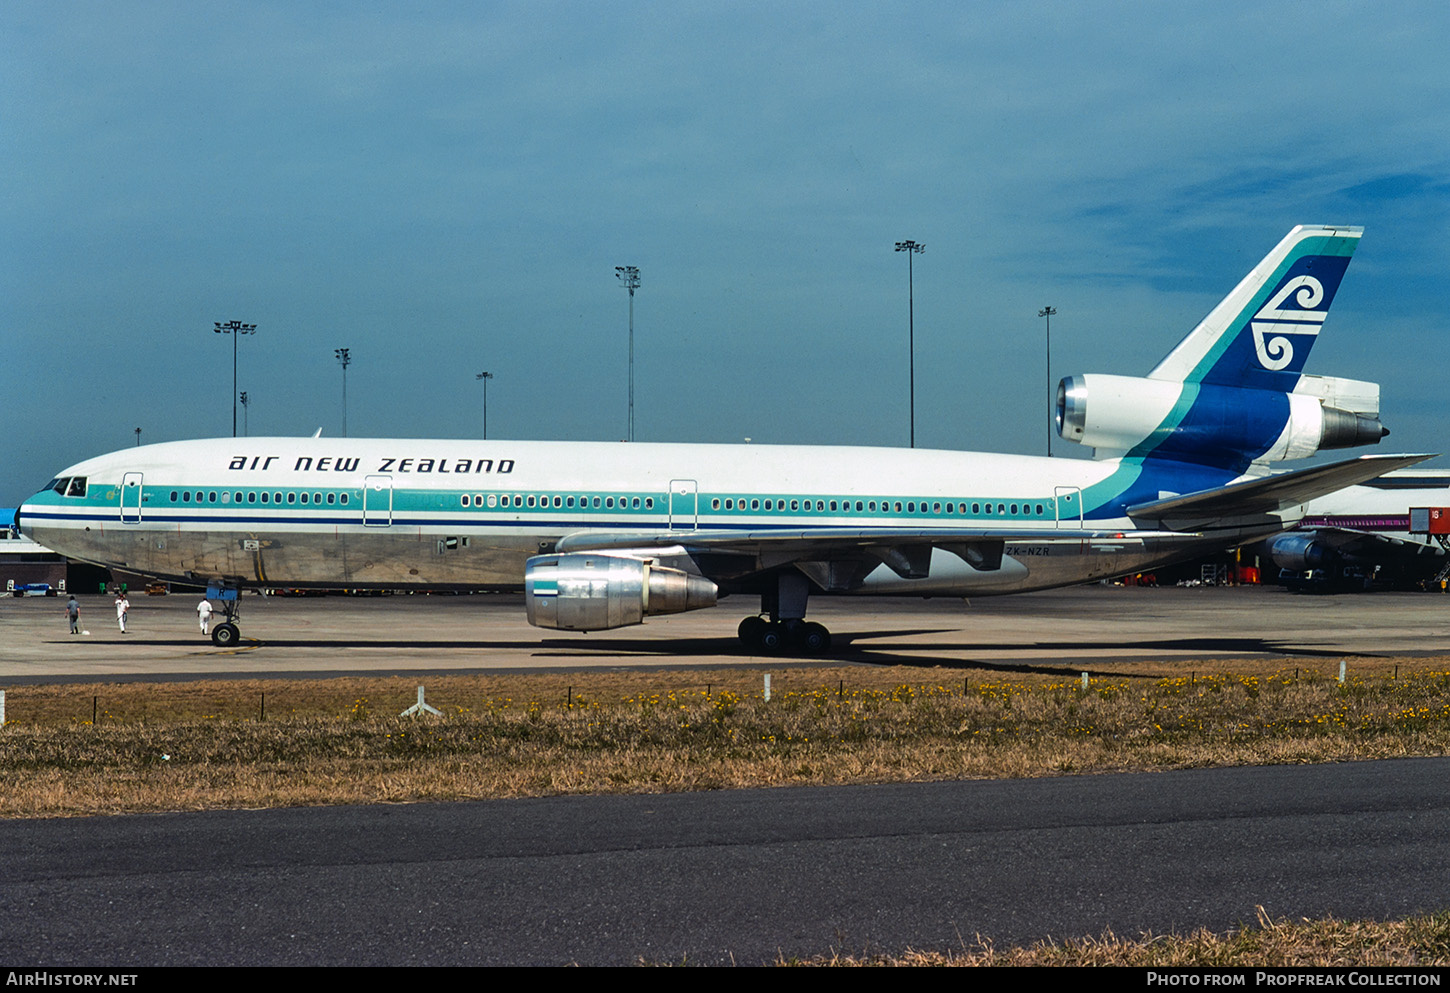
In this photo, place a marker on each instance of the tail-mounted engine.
(586, 592)
(1197, 421)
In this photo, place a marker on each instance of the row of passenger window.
(978, 508)
(562, 501)
(255, 496)
(530, 501)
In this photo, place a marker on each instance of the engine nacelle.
(1191, 421)
(1300, 552)
(586, 592)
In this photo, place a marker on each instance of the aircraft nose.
(19, 523)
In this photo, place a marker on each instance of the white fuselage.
(344, 513)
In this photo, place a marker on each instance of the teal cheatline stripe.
(1186, 397)
(615, 509)
(1103, 498)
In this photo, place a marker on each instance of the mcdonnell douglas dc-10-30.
(601, 535)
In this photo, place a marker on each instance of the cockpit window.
(68, 486)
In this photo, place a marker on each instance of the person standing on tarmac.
(73, 611)
(203, 611)
(122, 605)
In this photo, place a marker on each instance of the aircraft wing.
(907, 551)
(1257, 497)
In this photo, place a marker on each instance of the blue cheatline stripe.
(1140, 480)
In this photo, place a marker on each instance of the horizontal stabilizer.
(1268, 495)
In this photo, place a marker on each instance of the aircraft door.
(131, 498)
(378, 501)
(1068, 501)
(684, 505)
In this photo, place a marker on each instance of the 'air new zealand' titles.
(601, 535)
(390, 463)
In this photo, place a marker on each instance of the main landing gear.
(226, 634)
(786, 628)
(772, 636)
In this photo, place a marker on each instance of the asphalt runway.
(1084, 627)
(737, 876)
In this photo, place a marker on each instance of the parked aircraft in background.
(1363, 536)
(602, 535)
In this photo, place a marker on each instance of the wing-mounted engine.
(1301, 551)
(589, 592)
(1201, 421)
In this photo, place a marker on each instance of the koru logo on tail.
(1273, 322)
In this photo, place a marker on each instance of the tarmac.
(1086, 627)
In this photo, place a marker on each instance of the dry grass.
(1417, 942)
(204, 745)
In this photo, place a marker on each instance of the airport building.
(26, 566)
(31, 569)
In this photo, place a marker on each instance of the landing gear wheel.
(751, 630)
(225, 635)
(814, 637)
(772, 639)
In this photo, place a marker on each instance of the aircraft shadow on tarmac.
(884, 650)
(877, 647)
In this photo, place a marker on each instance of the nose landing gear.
(226, 634)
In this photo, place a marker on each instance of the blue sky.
(447, 188)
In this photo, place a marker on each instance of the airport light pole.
(911, 249)
(138, 437)
(236, 329)
(1047, 312)
(344, 356)
(246, 408)
(484, 377)
(629, 278)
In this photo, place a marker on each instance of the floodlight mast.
(629, 278)
(911, 248)
(344, 356)
(1047, 312)
(236, 329)
(484, 377)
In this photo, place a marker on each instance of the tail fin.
(1260, 334)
